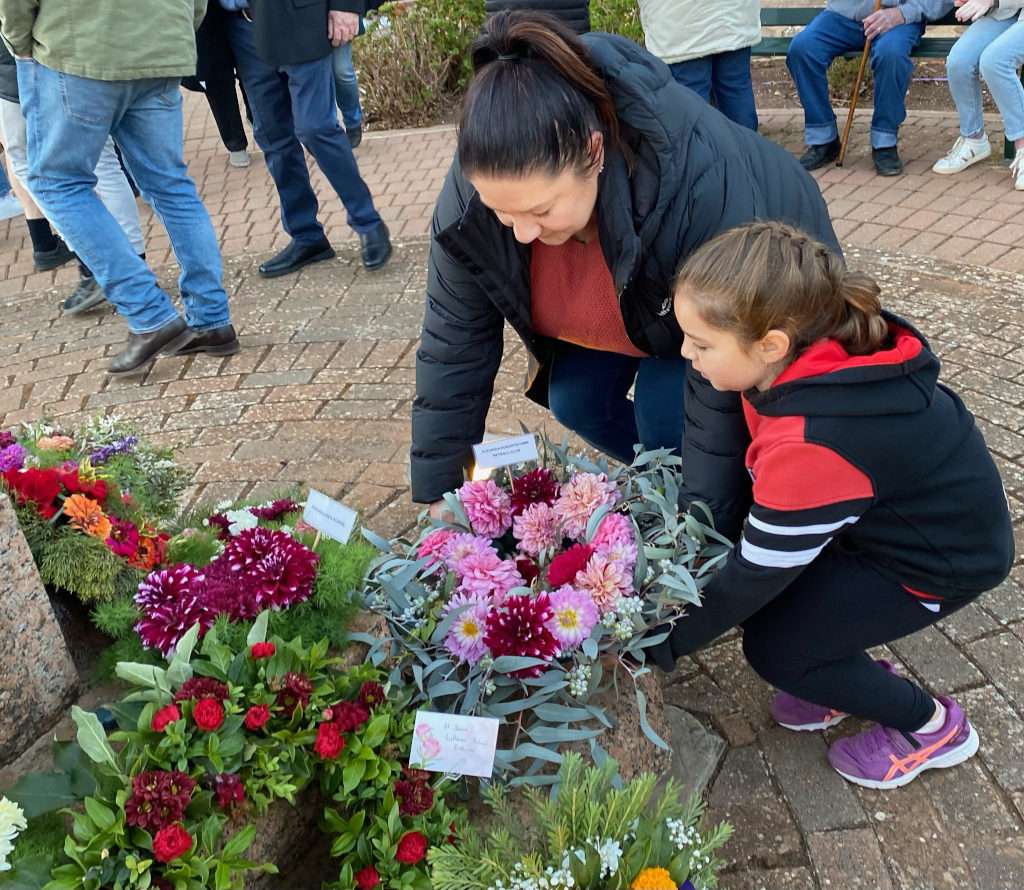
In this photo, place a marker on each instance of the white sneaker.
(1017, 170)
(10, 206)
(238, 158)
(964, 152)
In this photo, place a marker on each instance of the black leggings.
(810, 641)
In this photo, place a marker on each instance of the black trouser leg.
(220, 93)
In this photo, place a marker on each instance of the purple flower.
(122, 446)
(488, 507)
(12, 458)
(575, 616)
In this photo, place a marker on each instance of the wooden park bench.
(798, 16)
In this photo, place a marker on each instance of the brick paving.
(321, 394)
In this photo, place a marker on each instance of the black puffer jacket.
(8, 75)
(694, 174)
(575, 13)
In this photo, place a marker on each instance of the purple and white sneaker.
(799, 715)
(882, 757)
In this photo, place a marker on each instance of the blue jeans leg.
(589, 394)
(150, 135)
(68, 120)
(1000, 64)
(311, 87)
(810, 53)
(696, 74)
(346, 85)
(733, 88)
(892, 69)
(274, 131)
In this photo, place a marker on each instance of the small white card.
(505, 452)
(451, 743)
(329, 517)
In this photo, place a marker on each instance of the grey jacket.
(913, 10)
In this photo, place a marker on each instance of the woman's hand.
(972, 10)
(439, 511)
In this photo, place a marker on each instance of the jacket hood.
(826, 381)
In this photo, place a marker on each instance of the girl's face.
(728, 364)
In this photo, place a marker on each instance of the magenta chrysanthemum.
(488, 576)
(605, 580)
(465, 640)
(522, 627)
(488, 507)
(460, 546)
(271, 571)
(575, 616)
(580, 497)
(171, 601)
(535, 487)
(433, 545)
(537, 529)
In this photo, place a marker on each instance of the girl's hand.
(972, 10)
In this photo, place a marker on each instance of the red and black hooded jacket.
(872, 454)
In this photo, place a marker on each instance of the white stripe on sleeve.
(795, 530)
(778, 559)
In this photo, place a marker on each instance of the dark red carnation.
(165, 717)
(564, 567)
(535, 487)
(229, 790)
(256, 717)
(367, 878)
(412, 848)
(158, 799)
(294, 692)
(171, 842)
(414, 798)
(349, 715)
(329, 741)
(208, 714)
(262, 650)
(371, 695)
(202, 687)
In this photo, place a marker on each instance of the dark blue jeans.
(293, 106)
(724, 78)
(829, 35)
(588, 393)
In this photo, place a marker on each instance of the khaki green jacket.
(106, 39)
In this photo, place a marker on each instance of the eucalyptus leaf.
(641, 704)
(258, 631)
(92, 738)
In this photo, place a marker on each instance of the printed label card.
(505, 452)
(329, 517)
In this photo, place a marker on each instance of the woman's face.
(539, 206)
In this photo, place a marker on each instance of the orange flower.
(55, 443)
(87, 515)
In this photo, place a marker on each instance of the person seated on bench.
(842, 27)
(991, 48)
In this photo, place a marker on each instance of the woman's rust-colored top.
(572, 297)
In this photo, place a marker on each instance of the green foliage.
(39, 533)
(129, 648)
(151, 477)
(199, 547)
(116, 617)
(80, 563)
(571, 836)
(617, 17)
(842, 74)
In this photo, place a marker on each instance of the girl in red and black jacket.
(877, 507)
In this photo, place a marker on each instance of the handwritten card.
(504, 452)
(450, 743)
(328, 517)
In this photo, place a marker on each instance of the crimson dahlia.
(520, 627)
(535, 487)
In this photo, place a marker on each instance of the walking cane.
(856, 93)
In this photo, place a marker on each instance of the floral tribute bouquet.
(92, 503)
(638, 836)
(209, 742)
(542, 578)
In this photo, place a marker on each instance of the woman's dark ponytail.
(535, 100)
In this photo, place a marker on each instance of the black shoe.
(355, 136)
(87, 295)
(819, 155)
(216, 341)
(143, 348)
(887, 161)
(295, 256)
(45, 260)
(376, 247)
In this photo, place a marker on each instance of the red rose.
(329, 741)
(367, 878)
(208, 714)
(165, 717)
(564, 567)
(412, 848)
(257, 716)
(171, 842)
(262, 650)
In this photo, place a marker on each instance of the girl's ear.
(773, 347)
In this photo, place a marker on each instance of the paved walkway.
(321, 393)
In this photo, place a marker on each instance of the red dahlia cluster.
(159, 798)
(415, 796)
(202, 687)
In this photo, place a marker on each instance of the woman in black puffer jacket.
(575, 13)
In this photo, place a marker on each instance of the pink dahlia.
(465, 639)
(605, 580)
(488, 507)
(171, 601)
(535, 487)
(488, 576)
(433, 545)
(575, 616)
(580, 497)
(537, 529)
(462, 545)
(615, 529)
(522, 627)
